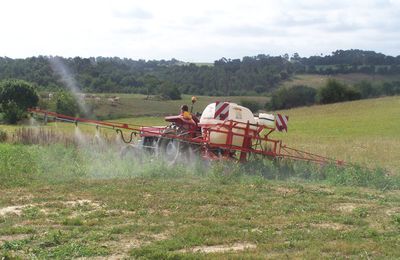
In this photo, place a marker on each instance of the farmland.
(318, 80)
(67, 202)
(134, 105)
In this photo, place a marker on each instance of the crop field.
(84, 201)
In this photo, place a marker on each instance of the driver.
(185, 112)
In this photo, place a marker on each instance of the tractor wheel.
(169, 149)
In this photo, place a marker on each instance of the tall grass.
(22, 165)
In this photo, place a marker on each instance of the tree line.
(332, 92)
(251, 75)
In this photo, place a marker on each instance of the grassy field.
(60, 202)
(134, 105)
(316, 80)
(86, 202)
(365, 131)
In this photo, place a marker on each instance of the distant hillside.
(319, 80)
(254, 75)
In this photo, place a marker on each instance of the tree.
(334, 91)
(16, 96)
(295, 96)
(66, 104)
(168, 91)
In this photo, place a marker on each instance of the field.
(365, 131)
(134, 105)
(316, 80)
(60, 201)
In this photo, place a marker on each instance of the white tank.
(265, 119)
(236, 113)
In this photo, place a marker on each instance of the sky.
(196, 31)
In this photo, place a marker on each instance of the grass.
(60, 201)
(135, 105)
(365, 131)
(70, 203)
(316, 80)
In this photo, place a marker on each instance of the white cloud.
(196, 30)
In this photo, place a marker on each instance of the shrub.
(16, 96)
(3, 136)
(295, 96)
(66, 104)
(12, 113)
(168, 91)
(254, 106)
(334, 91)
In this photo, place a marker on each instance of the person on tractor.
(185, 112)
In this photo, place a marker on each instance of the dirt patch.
(346, 207)
(17, 210)
(393, 211)
(334, 226)
(285, 191)
(12, 237)
(219, 248)
(82, 202)
(121, 248)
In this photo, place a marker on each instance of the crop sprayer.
(224, 131)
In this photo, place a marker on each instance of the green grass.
(135, 105)
(88, 202)
(316, 80)
(365, 131)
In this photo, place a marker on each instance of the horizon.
(196, 32)
(199, 62)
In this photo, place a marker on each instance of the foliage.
(292, 97)
(3, 135)
(167, 91)
(334, 91)
(16, 96)
(12, 112)
(259, 74)
(253, 105)
(66, 104)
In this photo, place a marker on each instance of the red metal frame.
(200, 135)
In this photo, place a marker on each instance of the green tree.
(334, 91)
(168, 91)
(295, 96)
(253, 105)
(66, 104)
(16, 96)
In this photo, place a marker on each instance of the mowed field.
(88, 203)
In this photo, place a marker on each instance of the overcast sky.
(196, 30)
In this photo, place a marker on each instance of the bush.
(254, 106)
(3, 136)
(12, 113)
(367, 90)
(16, 96)
(168, 91)
(334, 91)
(293, 97)
(66, 104)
